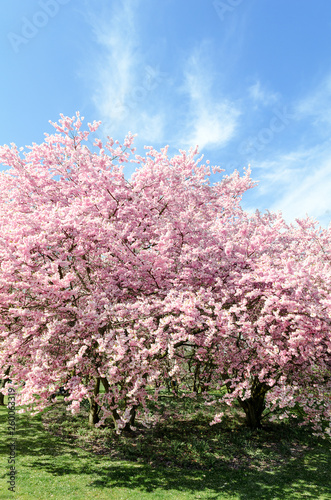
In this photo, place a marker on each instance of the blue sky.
(249, 81)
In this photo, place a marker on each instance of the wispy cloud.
(116, 70)
(125, 83)
(295, 178)
(211, 119)
(317, 104)
(298, 183)
(310, 197)
(260, 95)
(131, 94)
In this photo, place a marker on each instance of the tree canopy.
(127, 283)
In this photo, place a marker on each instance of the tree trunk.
(115, 414)
(2, 385)
(254, 406)
(128, 425)
(93, 417)
(131, 421)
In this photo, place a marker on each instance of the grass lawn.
(59, 457)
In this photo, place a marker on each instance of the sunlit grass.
(183, 458)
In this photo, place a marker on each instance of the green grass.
(59, 457)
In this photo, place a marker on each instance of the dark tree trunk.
(115, 414)
(254, 406)
(128, 425)
(131, 421)
(2, 399)
(93, 417)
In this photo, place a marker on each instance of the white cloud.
(211, 120)
(116, 70)
(298, 183)
(310, 196)
(296, 178)
(262, 96)
(131, 95)
(124, 83)
(211, 125)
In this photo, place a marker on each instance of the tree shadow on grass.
(244, 484)
(300, 478)
(32, 441)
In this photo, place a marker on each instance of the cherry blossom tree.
(116, 283)
(274, 324)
